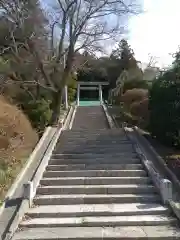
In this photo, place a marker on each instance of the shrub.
(140, 110)
(134, 95)
(72, 85)
(164, 105)
(39, 113)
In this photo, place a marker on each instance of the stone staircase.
(95, 187)
(90, 118)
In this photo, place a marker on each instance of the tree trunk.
(57, 97)
(56, 107)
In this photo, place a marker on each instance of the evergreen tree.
(123, 59)
(125, 55)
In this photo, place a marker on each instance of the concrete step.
(93, 133)
(95, 160)
(96, 173)
(96, 189)
(91, 150)
(95, 142)
(94, 180)
(167, 232)
(103, 131)
(98, 136)
(93, 139)
(95, 199)
(109, 166)
(117, 131)
(92, 155)
(100, 221)
(96, 210)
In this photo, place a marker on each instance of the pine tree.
(125, 55)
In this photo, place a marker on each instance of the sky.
(156, 31)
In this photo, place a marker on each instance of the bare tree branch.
(34, 51)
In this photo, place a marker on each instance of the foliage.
(140, 110)
(72, 85)
(125, 54)
(39, 58)
(165, 107)
(130, 84)
(133, 95)
(19, 68)
(136, 105)
(122, 59)
(92, 75)
(38, 111)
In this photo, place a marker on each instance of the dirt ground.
(17, 140)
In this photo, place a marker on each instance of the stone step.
(109, 166)
(95, 199)
(100, 221)
(84, 149)
(92, 155)
(94, 133)
(96, 210)
(167, 232)
(104, 140)
(95, 160)
(96, 173)
(101, 140)
(104, 133)
(94, 142)
(117, 131)
(94, 180)
(93, 139)
(96, 189)
(88, 147)
(90, 150)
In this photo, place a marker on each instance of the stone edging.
(108, 117)
(160, 160)
(164, 186)
(37, 153)
(73, 116)
(30, 187)
(175, 207)
(139, 138)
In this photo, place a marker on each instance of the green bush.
(72, 85)
(164, 106)
(39, 113)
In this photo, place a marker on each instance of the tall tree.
(21, 22)
(77, 24)
(125, 55)
(122, 59)
(84, 25)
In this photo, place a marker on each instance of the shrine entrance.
(90, 93)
